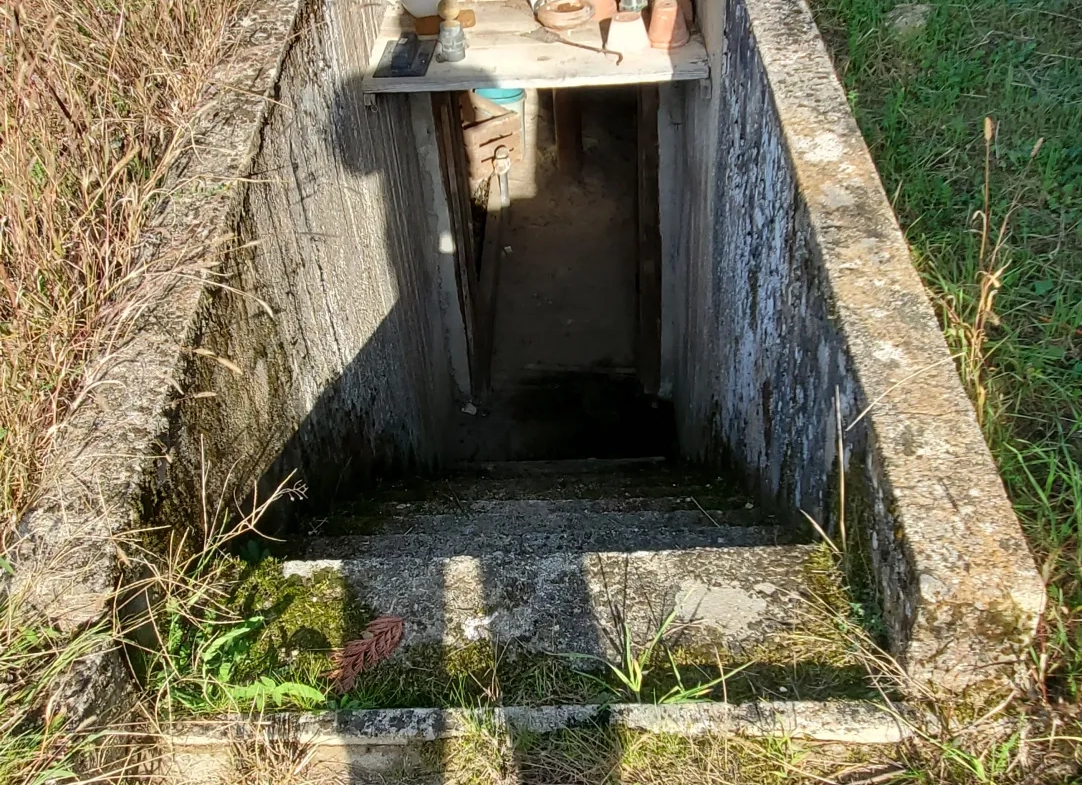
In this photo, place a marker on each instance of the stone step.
(568, 467)
(527, 594)
(549, 480)
(426, 745)
(571, 525)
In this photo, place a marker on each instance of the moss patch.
(303, 620)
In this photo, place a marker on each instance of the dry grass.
(269, 760)
(95, 94)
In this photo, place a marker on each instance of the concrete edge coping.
(853, 722)
(963, 577)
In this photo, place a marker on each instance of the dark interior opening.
(559, 336)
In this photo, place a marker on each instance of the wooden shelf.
(508, 48)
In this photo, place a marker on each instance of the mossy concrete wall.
(332, 314)
(789, 289)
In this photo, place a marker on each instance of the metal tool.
(546, 36)
(408, 56)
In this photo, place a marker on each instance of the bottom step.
(732, 598)
(419, 745)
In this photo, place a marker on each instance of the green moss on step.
(304, 619)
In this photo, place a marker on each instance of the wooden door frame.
(454, 169)
(649, 223)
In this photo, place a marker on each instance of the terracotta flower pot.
(627, 33)
(603, 9)
(668, 29)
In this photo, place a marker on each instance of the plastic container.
(627, 33)
(419, 8)
(514, 98)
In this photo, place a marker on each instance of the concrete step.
(530, 594)
(570, 525)
(545, 480)
(431, 745)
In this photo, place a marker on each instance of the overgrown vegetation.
(973, 122)
(95, 99)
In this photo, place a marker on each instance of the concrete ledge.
(797, 297)
(837, 721)
(961, 593)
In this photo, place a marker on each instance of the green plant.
(37, 745)
(193, 650)
(631, 672)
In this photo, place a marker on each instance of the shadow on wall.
(368, 278)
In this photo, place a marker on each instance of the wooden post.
(649, 222)
(454, 168)
(496, 222)
(568, 122)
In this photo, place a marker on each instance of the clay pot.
(627, 33)
(564, 14)
(668, 29)
(603, 9)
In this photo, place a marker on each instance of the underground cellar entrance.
(566, 306)
(794, 328)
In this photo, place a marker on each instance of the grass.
(95, 96)
(974, 126)
(94, 100)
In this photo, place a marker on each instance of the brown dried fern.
(378, 642)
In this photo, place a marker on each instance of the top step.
(592, 479)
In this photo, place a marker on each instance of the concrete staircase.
(558, 558)
(573, 576)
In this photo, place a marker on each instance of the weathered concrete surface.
(798, 289)
(535, 595)
(404, 745)
(858, 722)
(334, 313)
(472, 527)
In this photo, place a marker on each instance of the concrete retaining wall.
(791, 286)
(318, 346)
(333, 315)
(290, 323)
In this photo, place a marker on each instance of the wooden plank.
(649, 221)
(568, 122)
(491, 257)
(453, 165)
(506, 50)
(512, 16)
